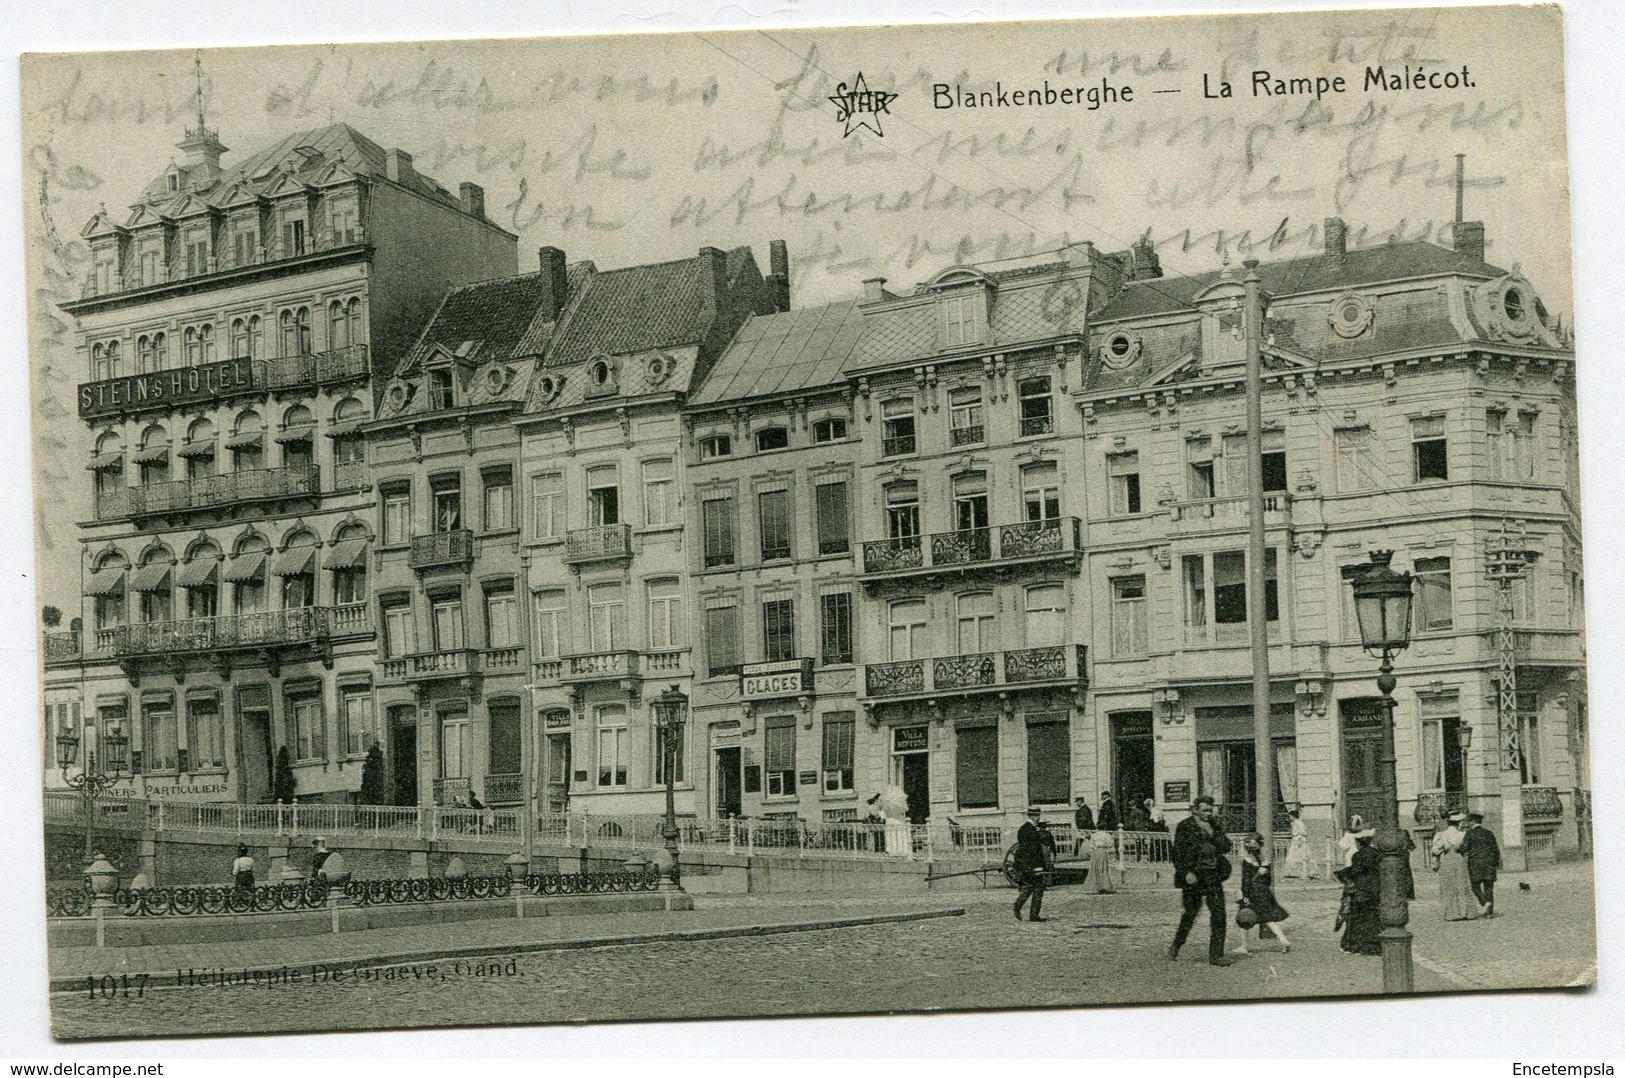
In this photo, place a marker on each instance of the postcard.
(808, 522)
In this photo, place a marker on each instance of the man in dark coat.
(1083, 822)
(1035, 853)
(1106, 818)
(1483, 860)
(1200, 869)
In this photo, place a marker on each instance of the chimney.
(1469, 237)
(778, 278)
(472, 196)
(714, 273)
(556, 274)
(1080, 255)
(874, 289)
(398, 166)
(1147, 266)
(1337, 237)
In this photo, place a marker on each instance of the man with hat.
(1200, 869)
(1035, 853)
(1483, 861)
(1083, 822)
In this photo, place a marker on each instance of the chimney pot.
(778, 278)
(874, 289)
(1147, 266)
(1336, 236)
(472, 196)
(1469, 237)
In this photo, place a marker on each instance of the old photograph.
(807, 522)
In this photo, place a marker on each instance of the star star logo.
(858, 106)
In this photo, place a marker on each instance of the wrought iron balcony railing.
(971, 435)
(1062, 664)
(455, 547)
(602, 542)
(451, 791)
(317, 368)
(350, 475)
(504, 789)
(227, 488)
(1027, 541)
(268, 627)
(62, 647)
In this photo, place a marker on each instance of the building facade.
(232, 330)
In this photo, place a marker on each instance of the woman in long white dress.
(1450, 862)
(1297, 851)
(1349, 842)
(1101, 848)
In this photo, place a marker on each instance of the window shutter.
(976, 766)
(1049, 759)
(781, 745)
(722, 639)
(833, 529)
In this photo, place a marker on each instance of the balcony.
(599, 666)
(605, 542)
(350, 475)
(350, 619)
(225, 261)
(454, 547)
(317, 368)
(991, 671)
(63, 647)
(437, 665)
(504, 660)
(113, 504)
(299, 625)
(228, 488)
(1205, 515)
(1540, 647)
(1005, 546)
(504, 789)
(451, 791)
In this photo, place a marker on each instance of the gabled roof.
(1309, 273)
(784, 352)
(639, 308)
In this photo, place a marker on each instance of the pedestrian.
(1106, 819)
(1258, 896)
(1136, 820)
(1360, 914)
(319, 858)
(1450, 862)
(1200, 869)
(1297, 850)
(1100, 861)
(242, 870)
(1083, 822)
(1035, 852)
(482, 822)
(1159, 822)
(1349, 842)
(876, 824)
(1483, 861)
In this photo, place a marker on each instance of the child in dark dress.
(1258, 895)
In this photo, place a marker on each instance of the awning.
(294, 561)
(105, 581)
(198, 571)
(246, 439)
(154, 577)
(346, 554)
(111, 459)
(150, 454)
(244, 567)
(300, 433)
(202, 448)
(345, 429)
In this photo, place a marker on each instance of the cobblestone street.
(1094, 950)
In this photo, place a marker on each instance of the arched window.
(247, 442)
(145, 358)
(98, 362)
(239, 337)
(347, 560)
(199, 450)
(296, 567)
(160, 351)
(191, 353)
(106, 586)
(199, 576)
(153, 582)
(245, 572)
(205, 335)
(115, 360)
(153, 456)
(107, 464)
(298, 426)
(344, 323)
(256, 338)
(295, 328)
(349, 447)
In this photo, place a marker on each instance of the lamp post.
(1464, 742)
(92, 780)
(670, 707)
(1382, 604)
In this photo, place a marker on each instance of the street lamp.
(1464, 742)
(670, 707)
(93, 780)
(1382, 604)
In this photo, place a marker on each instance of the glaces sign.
(791, 678)
(160, 388)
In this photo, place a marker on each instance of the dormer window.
(771, 438)
(963, 315)
(600, 377)
(441, 388)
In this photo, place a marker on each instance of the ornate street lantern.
(671, 708)
(1382, 603)
(67, 746)
(117, 743)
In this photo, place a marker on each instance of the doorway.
(254, 708)
(729, 787)
(1362, 747)
(403, 749)
(914, 773)
(1133, 758)
(558, 773)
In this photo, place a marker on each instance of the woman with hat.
(1258, 896)
(1450, 862)
(1361, 912)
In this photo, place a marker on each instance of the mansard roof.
(785, 352)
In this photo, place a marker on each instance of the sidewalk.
(69, 966)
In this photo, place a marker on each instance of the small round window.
(600, 373)
(1120, 345)
(1512, 303)
(1351, 311)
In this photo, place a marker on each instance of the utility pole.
(1507, 563)
(1263, 754)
